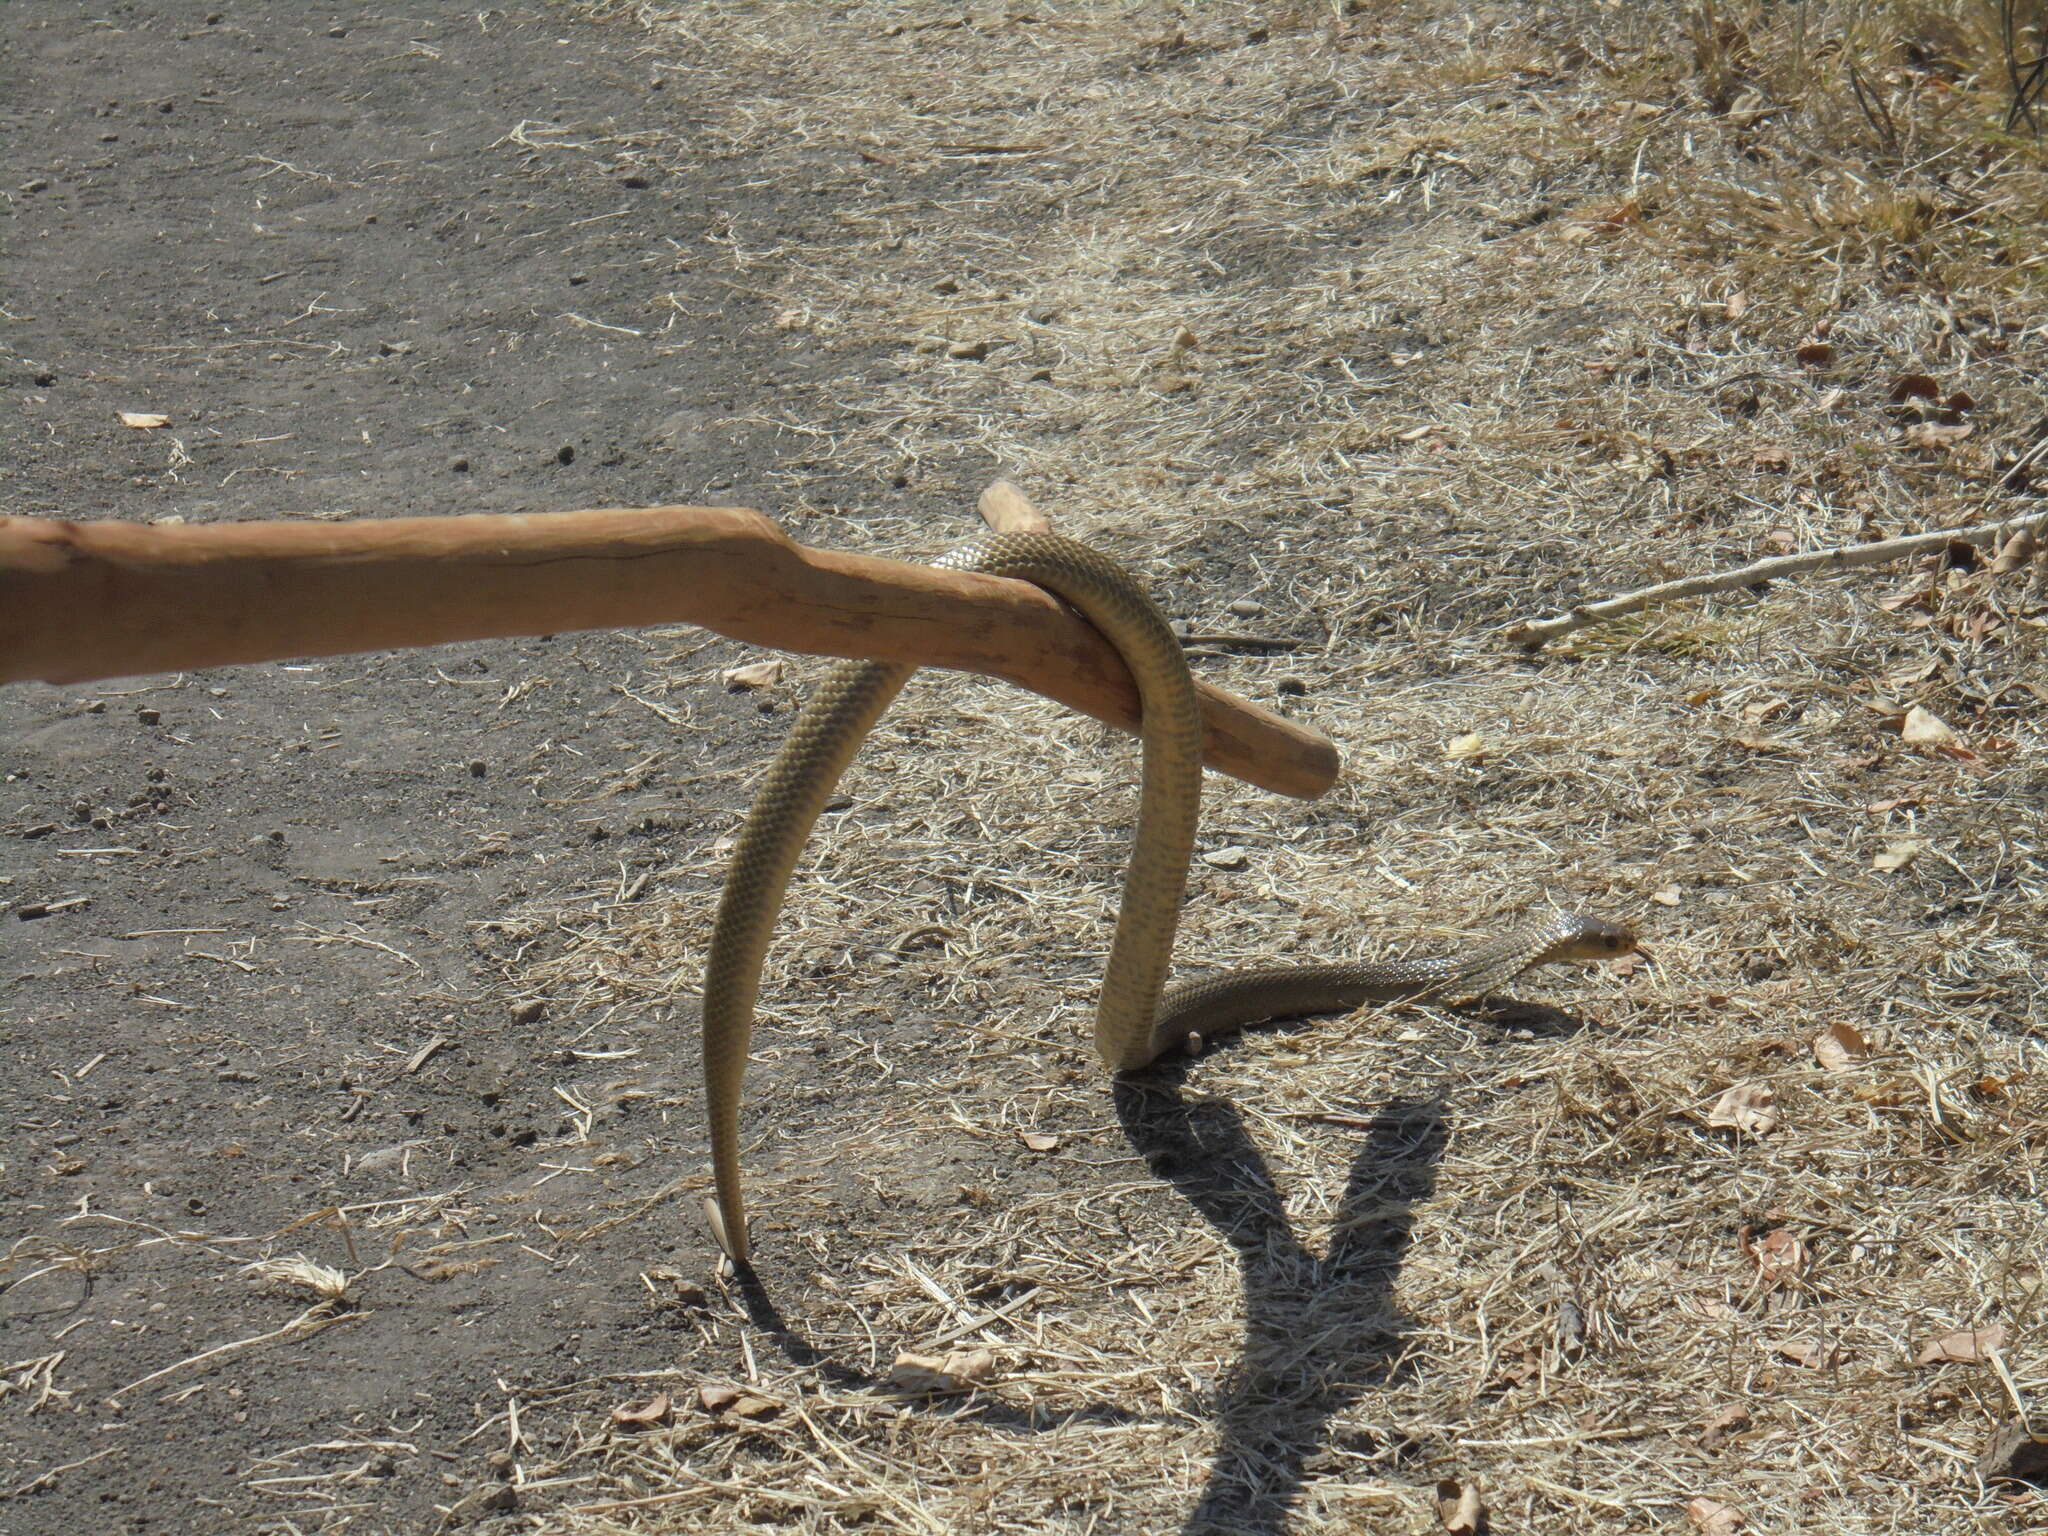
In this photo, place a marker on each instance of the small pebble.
(477, 769)
(529, 1012)
(38, 184)
(337, 31)
(566, 454)
(459, 465)
(1245, 608)
(149, 716)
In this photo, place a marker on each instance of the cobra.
(1138, 1017)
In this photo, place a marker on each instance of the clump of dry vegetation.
(1366, 330)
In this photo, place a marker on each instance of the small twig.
(38, 1483)
(312, 1320)
(1532, 633)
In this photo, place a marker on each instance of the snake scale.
(1138, 1018)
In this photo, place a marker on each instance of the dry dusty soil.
(304, 235)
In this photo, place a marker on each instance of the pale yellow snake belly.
(1138, 1018)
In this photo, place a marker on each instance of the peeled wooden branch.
(81, 601)
(1534, 632)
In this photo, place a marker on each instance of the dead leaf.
(1666, 895)
(143, 420)
(960, 1371)
(1775, 457)
(1924, 728)
(1780, 1256)
(1934, 434)
(1713, 1518)
(1472, 745)
(2018, 550)
(1039, 1141)
(655, 1410)
(1722, 1425)
(1914, 386)
(752, 1407)
(1745, 1107)
(755, 674)
(1898, 854)
(1841, 1048)
(1460, 1508)
(717, 1399)
(1737, 305)
(1805, 1352)
(1970, 1344)
(1815, 353)
(1417, 434)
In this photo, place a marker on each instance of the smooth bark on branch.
(1534, 632)
(82, 601)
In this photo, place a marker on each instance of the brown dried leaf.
(1914, 386)
(1723, 1424)
(755, 674)
(1804, 1352)
(752, 1407)
(2018, 550)
(1713, 1518)
(1841, 1048)
(717, 1399)
(1745, 1107)
(1815, 353)
(1970, 1344)
(1460, 1508)
(1935, 434)
(1780, 1256)
(656, 1410)
(1924, 728)
(1472, 745)
(959, 1371)
(1039, 1141)
(1897, 855)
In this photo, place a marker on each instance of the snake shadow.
(1319, 1332)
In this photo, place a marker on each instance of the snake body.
(1138, 1018)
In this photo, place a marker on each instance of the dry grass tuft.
(1400, 323)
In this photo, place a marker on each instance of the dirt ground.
(350, 1137)
(313, 241)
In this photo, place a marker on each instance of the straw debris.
(1403, 322)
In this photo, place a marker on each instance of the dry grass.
(1402, 323)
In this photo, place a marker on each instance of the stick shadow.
(1318, 1331)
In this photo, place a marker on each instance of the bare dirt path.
(313, 240)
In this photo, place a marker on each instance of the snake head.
(1594, 939)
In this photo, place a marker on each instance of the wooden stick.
(1008, 510)
(81, 601)
(1533, 632)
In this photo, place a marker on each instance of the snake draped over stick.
(1138, 1018)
